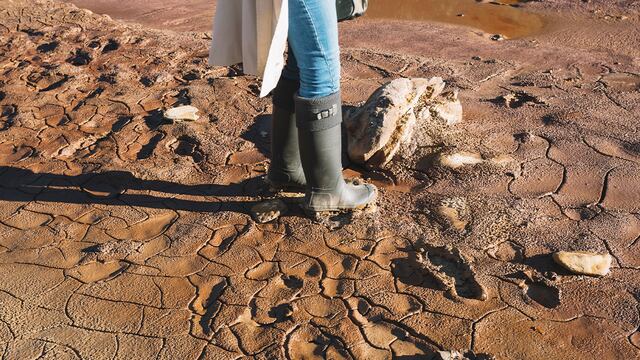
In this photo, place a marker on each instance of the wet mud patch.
(508, 21)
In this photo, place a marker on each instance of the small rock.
(268, 211)
(181, 113)
(498, 37)
(460, 159)
(584, 263)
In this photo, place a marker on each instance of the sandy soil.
(125, 235)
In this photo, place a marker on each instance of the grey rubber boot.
(320, 139)
(285, 171)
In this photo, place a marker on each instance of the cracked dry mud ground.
(124, 235)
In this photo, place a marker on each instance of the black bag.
(349, 9)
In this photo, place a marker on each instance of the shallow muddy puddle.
(503, 17)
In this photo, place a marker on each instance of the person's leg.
(285, 170)
(313, 39)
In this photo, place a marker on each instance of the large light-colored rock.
(388, 120)
(584, 263)
(183, 113)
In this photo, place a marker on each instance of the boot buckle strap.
(327, 113)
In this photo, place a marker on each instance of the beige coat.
(252, 32)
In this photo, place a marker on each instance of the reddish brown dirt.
(125, 235)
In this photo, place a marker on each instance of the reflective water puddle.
(494, 17)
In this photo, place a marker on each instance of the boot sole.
(367, 208)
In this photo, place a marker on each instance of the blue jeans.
(314, 51)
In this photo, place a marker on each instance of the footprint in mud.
(80, 58)
(57, 83)
(109, 78)
(7, 116)
(147, 150)
(97, 271)
(452, 270)
(538, 288)
(48, 47)
(147, 81)
(188, 146)
(121, 123)
(281, 312)
(206, 305)
(518, 99)
(112, 45)
(32, 32)
(454, 212)
(622, 82)
(13, 154)
(155, 119)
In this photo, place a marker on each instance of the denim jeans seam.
(319, 43)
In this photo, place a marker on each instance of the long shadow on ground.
(113, 187)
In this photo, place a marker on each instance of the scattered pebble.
(183, 113)
(584, 263)
(268, 211)
(498, 37)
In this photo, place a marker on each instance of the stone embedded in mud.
(268, 211)
(187, 112)
(458, 160)
(387, 121)
(584, 263)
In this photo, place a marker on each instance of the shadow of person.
(259, 134)
(122, 187)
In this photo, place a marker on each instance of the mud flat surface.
(126, 235)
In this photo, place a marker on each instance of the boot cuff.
(318, 114)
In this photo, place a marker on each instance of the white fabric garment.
(252, 32)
